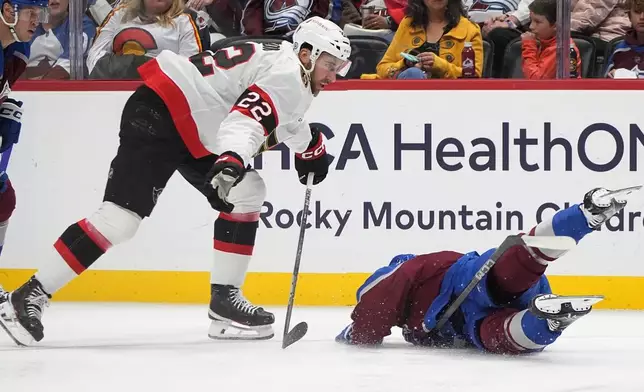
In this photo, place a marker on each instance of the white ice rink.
(117, 348)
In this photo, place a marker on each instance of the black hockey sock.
(81, 245)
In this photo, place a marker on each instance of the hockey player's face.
(326, 69)
(28, 20)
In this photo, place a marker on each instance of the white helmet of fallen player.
(329, 50)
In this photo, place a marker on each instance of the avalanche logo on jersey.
(6, 90)
(285, 14)
(134, 40)
(503, 6)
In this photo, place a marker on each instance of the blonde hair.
(134, 8)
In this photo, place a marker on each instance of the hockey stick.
(555, 243)
(300, 329)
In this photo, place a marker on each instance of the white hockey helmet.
(323, 35)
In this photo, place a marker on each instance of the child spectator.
(629, 54)
(435, 31)
(139, 30)
(539, 45)
(49, 58)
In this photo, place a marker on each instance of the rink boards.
(415, 171)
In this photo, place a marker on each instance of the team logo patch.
(134, 41)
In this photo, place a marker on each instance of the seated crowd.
(395, 39)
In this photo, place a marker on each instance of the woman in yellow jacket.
(435, 31)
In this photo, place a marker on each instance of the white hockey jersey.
(247, 98)
(144, 39)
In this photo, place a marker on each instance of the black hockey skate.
(233, 317)
(601, 204)
(21, 312)
(561, 311)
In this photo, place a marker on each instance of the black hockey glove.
(314, 159)
(227, 172)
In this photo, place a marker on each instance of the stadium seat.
(610, 48)
(488, 58)
(366, 53)
(588, 56)
(512, 61)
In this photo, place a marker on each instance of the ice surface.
(123, 347)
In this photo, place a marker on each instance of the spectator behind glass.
(503, 29)
(435, 31)
(372, 17)
(138, 31)
(482, 11)
(539, 45)
(280, 17)
(49, 57)
(602, 20)
(226, 14)
(627, 61)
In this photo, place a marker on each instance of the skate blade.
(12, 327)
(579, 303)
(619, 194)
(226, 330)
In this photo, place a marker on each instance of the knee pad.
(7, 202)
(115, 223)
(249, 194)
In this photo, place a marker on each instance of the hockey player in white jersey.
(206, 117)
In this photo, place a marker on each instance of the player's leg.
(520, 331)
(517, 277)
(150, 151)
(520, 268)
(233, 242)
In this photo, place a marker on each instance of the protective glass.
(38, 14)
(334, 64)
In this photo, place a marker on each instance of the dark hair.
(419, 14)
(633, 5)
(545, 8)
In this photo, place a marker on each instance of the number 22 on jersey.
(225, 58)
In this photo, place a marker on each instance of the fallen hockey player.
(511, 310)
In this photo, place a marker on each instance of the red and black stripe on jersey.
(256, 104)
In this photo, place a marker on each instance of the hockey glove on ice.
(10, 123)
(314, 159)
(227, 172)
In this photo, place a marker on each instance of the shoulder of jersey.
(287, 66)
(21, 50)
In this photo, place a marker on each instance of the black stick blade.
(295, 334)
